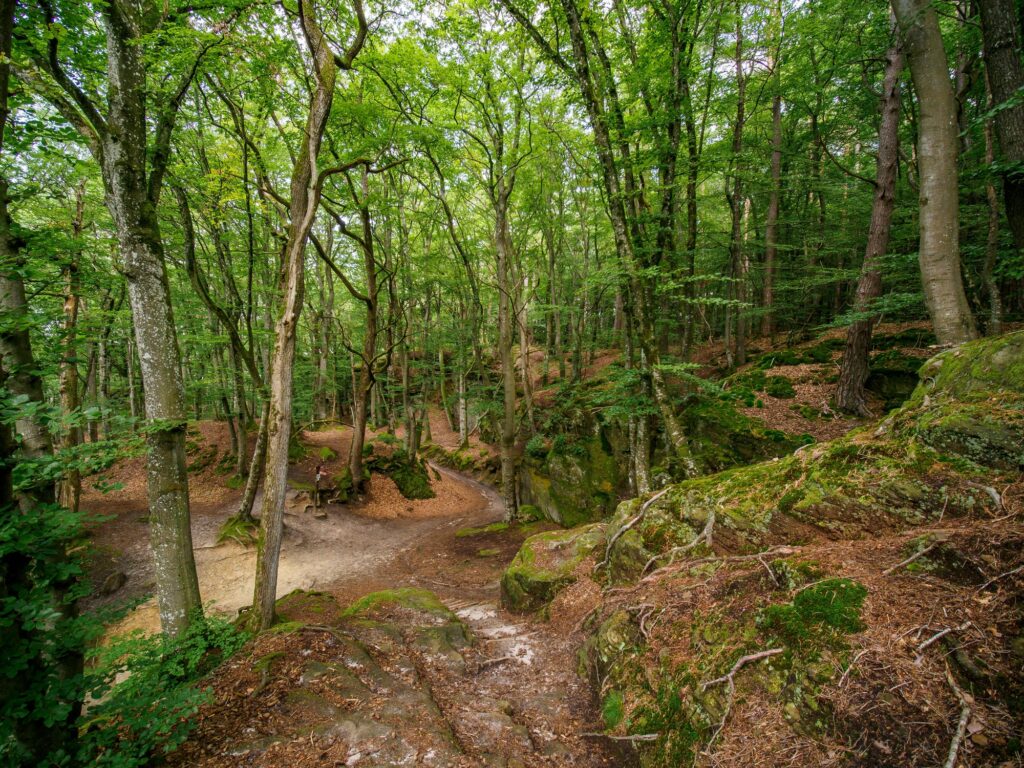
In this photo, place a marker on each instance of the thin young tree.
(853, 373)
(306, 187)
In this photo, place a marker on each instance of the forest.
(511, 383)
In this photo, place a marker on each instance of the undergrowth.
(150, 712)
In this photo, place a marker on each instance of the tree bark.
(937, 147)
(306, 185)
(1001, 36)
(71, 487)
(503, 242)
(771, 227)
(854, 370)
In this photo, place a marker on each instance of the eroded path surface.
(432, 673)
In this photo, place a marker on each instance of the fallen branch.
(730, 678)
(961, 728)
(912, 558)
(939, 635)
(637, 737)
(992, 581)
(639, 516)
(703, 536)
(781, 550)
(771, 573)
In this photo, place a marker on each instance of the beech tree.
(133, 169)
(306, 188)
(937, 148)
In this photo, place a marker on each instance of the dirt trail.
(348, 549)
(511, 697)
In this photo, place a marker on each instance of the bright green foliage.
(34, 636)
(410, 475)
(149, 713)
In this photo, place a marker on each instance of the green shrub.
(150, 712)
(35, 637)
(235, 528)
(326, 454)
(537, 447)
(779, 386)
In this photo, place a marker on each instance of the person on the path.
(316, 487)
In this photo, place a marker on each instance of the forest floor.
(463, 683)
(513, 697)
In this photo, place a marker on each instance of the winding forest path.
(512, 697)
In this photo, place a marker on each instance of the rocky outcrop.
(546, 564)
(750, 591)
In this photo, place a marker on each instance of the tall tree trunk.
(937, 145)
(854, 370)
(771, 227)
(306, 186)
(736, 208)
(1001, 35)
(503, 243)
(70, 488)
(133, 209)
(367, 392)
(995, 301)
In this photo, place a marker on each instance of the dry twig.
(993, 580)
(961, 728)
(939, 635)
(636, 737)
(912, 558)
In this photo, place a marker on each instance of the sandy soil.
(355, 543)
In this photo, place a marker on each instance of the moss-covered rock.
(576, 483)
(481, 465)
(968, 407)
(408, 600)
(410, 474)
(546, 564)
(721, 437)
(970, 403)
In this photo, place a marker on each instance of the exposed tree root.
(730, 678)
(704, 536)
(636, 519)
